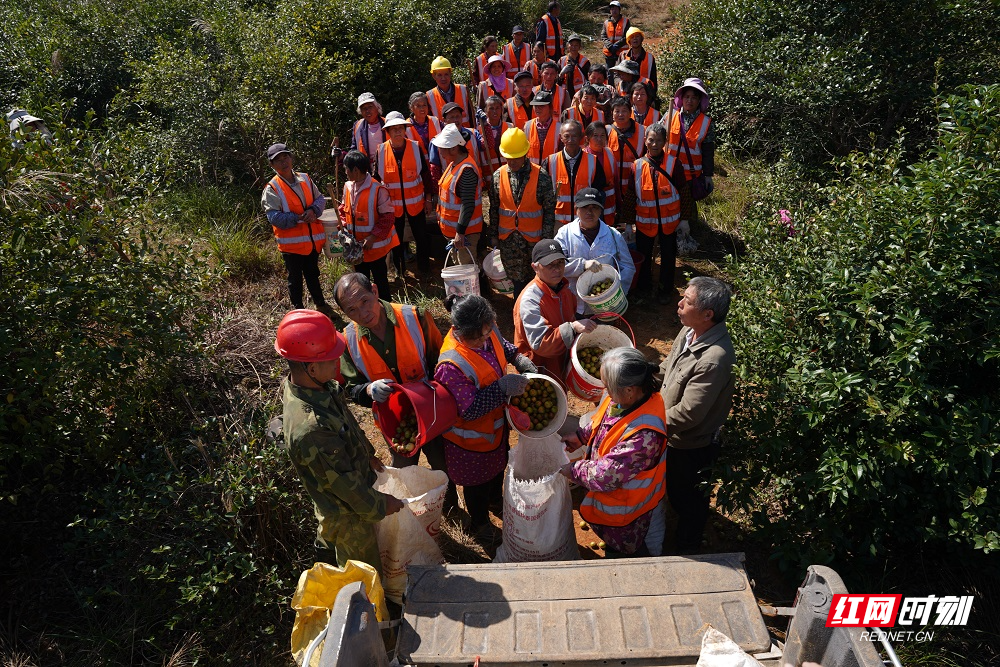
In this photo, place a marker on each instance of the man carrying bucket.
(386, 343)
(330, 452)
(545, 321)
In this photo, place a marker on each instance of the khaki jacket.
(698, 387)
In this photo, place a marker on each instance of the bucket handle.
(451, 249)
(631, 334)
(435, 401)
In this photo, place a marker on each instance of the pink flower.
(786, 220)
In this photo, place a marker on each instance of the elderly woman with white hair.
(624, 469)
(367, 134)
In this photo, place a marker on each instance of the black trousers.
(378, 273)
(299, 266)
(687, 472)
(434, 451)
(478, 498)
(668, 257)
(418, 224)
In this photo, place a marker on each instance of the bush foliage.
(868, 329)
(820, 79)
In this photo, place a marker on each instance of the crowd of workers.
(577, 163)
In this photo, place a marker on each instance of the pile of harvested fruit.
(539, 402)
(404, 440)
(590, 359)
(601, 287)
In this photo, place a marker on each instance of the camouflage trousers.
(348, 539)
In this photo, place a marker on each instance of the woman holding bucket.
(624, 469)
(471, 366)
(589, 243)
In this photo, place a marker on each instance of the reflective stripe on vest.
(361, 135)
(649, 195)
(615, 32)
(695, 135)
(505, 94)
(553, 37)
(525, 217)
(610, 179)
(303, 238)
(433, 127)
(482, 434)
(624, 157)
(536, 151)
(405, 186)
(641, 493)
(449, 207)
(436, 100)
(581, 63)
(495, 158)
(652, 116)
(517, 113)
(411, 351)
(362, 224)
(558, 98)
(645, 65)
(596, 116)
(516, 60)
(564, 190)
(481, 72)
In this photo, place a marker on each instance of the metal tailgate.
(636, 611)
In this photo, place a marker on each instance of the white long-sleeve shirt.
(609, 248)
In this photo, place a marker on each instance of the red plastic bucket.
(637, 258)
(607, 337)
(434, 405)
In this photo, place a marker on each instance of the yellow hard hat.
(440, 63)
(634, 31)
(514, 143)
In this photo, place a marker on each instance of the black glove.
(524, 365)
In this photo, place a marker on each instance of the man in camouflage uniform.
(330, 452)
(515, 250)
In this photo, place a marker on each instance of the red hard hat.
(307, 336)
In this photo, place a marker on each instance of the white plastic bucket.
(493, 267)
(612, 300)
(562, 409)
(332, 247)
(460, 278)
(606, 337)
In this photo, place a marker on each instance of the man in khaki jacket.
(697, 392)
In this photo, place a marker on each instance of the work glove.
(481, 116)
(513, 385)
(592, 265)
(380, 390)
(524, 365)
(709, 184)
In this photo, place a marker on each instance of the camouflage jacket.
(332, 456)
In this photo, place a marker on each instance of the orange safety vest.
(536, 151)
(495, 158)
(615, 32)
(695, 135)
(656, 200)
(436, 100)
(507, 93)
(516, 60)
(652, 116)
(610, 187)
(405, 186)
(626, 152)
(361, 211)
(433, 127)
(620, 86)
(564, 190)
(361, 135)
(525, 217)
(644, 491)
(645, 65)
(449, 206)
(558, 98)
(553, 37)
(411, 349)
(303, 238)
(596, 116)
(485, 433)
(578, 70)
(481, 63)
(518, 114)
(535, 68)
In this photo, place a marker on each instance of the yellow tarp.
(314, 597)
